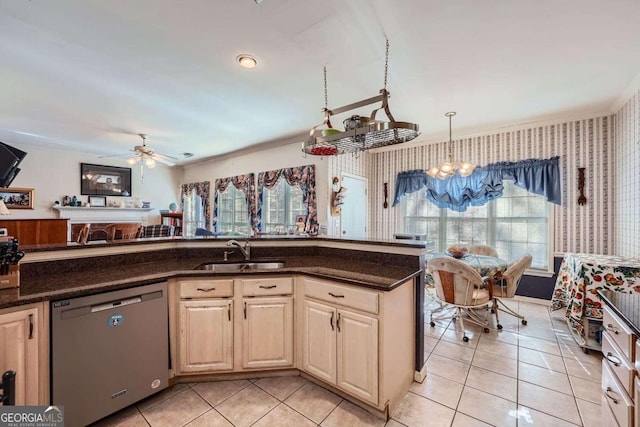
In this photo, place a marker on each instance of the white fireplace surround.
(81, 215)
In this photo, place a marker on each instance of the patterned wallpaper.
(579, 143)
(626, 173)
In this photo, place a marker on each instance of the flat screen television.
(10, 158)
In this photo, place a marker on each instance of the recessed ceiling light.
(247, 61)
(187, 155)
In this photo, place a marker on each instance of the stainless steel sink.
(239, 266)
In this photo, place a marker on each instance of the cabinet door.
(358, 355)
(19, 352)
(267, 332)
(206, 335)
(319, 341)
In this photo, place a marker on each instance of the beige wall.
(55, 173)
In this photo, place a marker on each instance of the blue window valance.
(539, 176)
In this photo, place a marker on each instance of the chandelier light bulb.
(450, 167)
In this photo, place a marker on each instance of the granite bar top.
(627, 306)
(54, 285)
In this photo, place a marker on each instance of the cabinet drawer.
(270, 286)
(347, 296)
(619, 331)
(206, 288)
(618, 363)
(617, 398)
(607, 417)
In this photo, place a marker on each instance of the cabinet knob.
(267, 287)
(206, 289)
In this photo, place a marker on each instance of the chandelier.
(449, 167)
(361, 133)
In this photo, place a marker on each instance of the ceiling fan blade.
(115, 155)
(165, 156)
(162, 160)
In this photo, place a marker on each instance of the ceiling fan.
(146, 156)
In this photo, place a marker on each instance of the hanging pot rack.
(361, 133)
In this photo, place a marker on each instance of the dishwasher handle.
(115, 304)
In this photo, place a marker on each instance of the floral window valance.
(244, 183)
(202, 189)
(538, 176)
(300, 176)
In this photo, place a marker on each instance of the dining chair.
(507, 286)
(122, 231)
(83, 234)
(461, 286)
(483, 250)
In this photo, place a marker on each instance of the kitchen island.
(380, 269)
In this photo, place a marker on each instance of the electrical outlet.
(3, 232)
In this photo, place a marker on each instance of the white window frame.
(236, 227)
(289, 211)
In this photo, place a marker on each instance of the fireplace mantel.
(81, 215)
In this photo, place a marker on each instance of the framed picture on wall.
(17, 198)
(100, 180)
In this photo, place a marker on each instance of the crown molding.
(626, 94)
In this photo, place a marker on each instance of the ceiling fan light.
(150, 163)
(133, 160)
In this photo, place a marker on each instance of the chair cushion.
(157, 230)
(481, 296)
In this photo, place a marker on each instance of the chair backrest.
(483, 250)
(83, 234)
(454, 280)
(511, 277)
(157, 230)
(123, 231)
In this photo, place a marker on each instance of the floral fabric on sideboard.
(580, 277)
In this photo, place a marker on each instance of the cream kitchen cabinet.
(359, 340)
(267, 322)
(21, 335)
(206, 325)
(341, 348)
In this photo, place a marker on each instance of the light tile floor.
(533, 375)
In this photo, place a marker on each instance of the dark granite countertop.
(102, 278)
(627, 306)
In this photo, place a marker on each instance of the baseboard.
(419, 376)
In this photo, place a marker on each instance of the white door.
(353, 220)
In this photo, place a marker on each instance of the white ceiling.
(89, 75)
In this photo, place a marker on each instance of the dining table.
(580, 276)
(489, 267)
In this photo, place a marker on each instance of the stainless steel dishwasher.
(108, 351)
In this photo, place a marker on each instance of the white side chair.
(483, 250)
(459, 286)
(507, 286)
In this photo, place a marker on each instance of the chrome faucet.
(246, 249)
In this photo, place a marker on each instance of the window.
(233, 213)
(281, 205)
(515, 224)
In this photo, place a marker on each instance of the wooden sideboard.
(37, 231)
